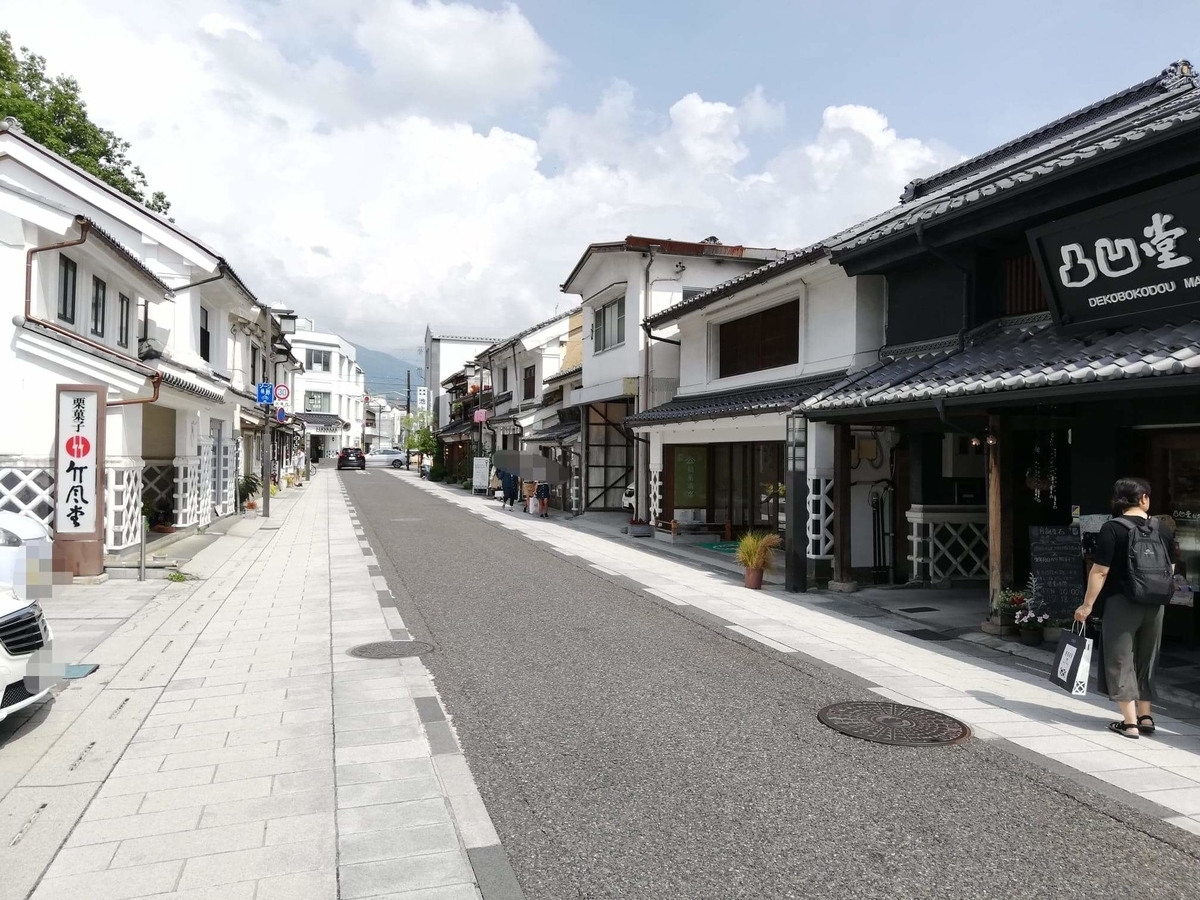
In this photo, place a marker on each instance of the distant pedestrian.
(1130, 585)
(542, 494)
(528, 492)
(509, 485)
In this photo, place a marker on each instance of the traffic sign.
(282, 392)
(266, 392)
(281, 415)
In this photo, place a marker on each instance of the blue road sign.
(266, 392)
(281, 415)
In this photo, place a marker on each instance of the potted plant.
(1007, 604)
(754, 554)
(162, 516)
(248, 485)
(1032, 624)
(640, 527)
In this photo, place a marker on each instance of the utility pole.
(268, 409)
(408, 392)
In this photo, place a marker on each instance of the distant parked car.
(351, 458)
(629, 498)
(387, 457)
(19, 535)
(24, 634)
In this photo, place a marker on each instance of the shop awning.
(1024, 354)
(455, 430)
(782, 396)
(555, 434)
(322, 422)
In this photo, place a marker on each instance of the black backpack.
(1150, 570)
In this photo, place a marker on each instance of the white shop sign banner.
(75, 479)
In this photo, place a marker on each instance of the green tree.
(422, 440)
(52, 112)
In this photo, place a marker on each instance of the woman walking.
(509, 482)
(1130, 584)
(542, 492)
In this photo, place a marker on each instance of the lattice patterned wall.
(187, 494)
(29, 491)
(158, 484)
(122, 507)
(820, 517)
(223, 504)
(204, 483)
(942, 551)
(655, 493)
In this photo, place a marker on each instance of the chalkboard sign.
(1056, 560)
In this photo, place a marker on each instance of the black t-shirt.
(1112, 550)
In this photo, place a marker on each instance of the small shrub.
(176, 576)
(466, 484)
(248, 485)
(754, 550)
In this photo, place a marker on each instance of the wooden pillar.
(841, 510)
(999, 505)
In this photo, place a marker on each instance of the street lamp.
(279, 322)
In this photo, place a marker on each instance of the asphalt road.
(628, 749)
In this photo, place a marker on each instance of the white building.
(121, 297)
(621, 283)
(330, 392)
(444, 355)
(750, 351)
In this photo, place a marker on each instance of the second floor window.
(762, 340)
(317, 360)
(529, 386)
(204, 336)
(504, 380)
(608, 330)
(253, 364)
(66, 289)
(317, 401)
(99, 302)
(123, 312)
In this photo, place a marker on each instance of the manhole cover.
(390, 649)
(893, 723)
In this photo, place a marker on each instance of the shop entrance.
(737, 483)
(1175, 498)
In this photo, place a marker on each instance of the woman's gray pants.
(1132, 634)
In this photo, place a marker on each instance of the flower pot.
(1031, 637)
(163, 529)
(1051, 634)
(1004, 617)
(641, 531)
(754, 579)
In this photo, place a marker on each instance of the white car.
(387, 457)
(25, 638)
(20, 537)
(629, 498)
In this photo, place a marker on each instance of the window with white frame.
(608, 327)
(317, 360)
(317, 401)
(99, 305)
(66, 289)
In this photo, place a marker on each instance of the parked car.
(24, 637)
(351, 458)
(19, 536)
(629, 498)
(390, 456)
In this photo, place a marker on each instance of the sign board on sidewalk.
(479, 474)
(266, 392)
(282, 392)
(1056, 561)
(79, 479)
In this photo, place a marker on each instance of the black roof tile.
(745, 401)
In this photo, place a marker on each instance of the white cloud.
(276, 140)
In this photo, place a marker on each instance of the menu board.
(1056, 561)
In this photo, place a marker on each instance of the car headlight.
(8, 539)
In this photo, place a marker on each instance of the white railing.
(948, 542)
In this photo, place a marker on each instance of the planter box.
(641, 531)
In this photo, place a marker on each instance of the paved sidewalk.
(229, 748)
(1159, 775)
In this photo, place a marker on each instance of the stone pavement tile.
(279, 733)
(1187, 823)
(425, 871)
(386, 735)
(78, 860)
(98, 831)
(1192, 773)
(230, 723)
(387, 815)
(1186, 801)
(314, 713)
(300, 829)
(155, 733)
(273, 765)
(356, 710)
(156, 781)
(387, 770)
(471, 817)
(306, 780)
(1146, 779)
(142, 766)
(454, 774)
(205, 794)
(175, 746)
(277, 806)
(347, 724)
(115, 884)
(351, 795)
(114, 807)
(244, 865)
(243, 890)
(188, 844)
(320, 884)
(396, 843)
(1057, 744)
(219, 755)
(1021, 729)
(381, 752)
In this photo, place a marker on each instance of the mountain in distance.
(384, 373)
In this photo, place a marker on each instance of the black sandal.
(1146, 729)
(1122, 728)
